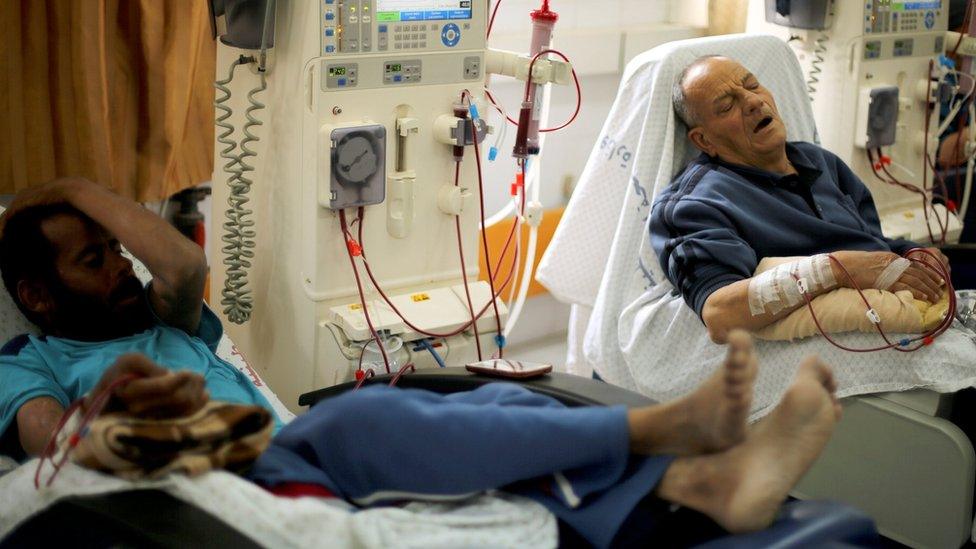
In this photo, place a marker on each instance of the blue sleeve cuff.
(9, 414)
(210, 329)
(702, 290)
(901, 246)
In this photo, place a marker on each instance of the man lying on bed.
(61, 262)
(752, 195)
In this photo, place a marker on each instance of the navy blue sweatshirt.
(717, 220)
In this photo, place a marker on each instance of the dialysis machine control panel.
(890, 17)
(376, 43)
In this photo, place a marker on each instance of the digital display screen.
(394, 67)
(337, 71)
(422, 10)
(913, 6)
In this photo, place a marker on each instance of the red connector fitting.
(518, 184)
(355, 249)
(882, 162)
(544, 14)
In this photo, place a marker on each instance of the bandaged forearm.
(779, 288)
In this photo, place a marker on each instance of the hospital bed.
(154, 518)
(900, 454)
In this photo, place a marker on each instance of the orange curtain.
(118, 91)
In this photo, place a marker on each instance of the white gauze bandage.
(778, 288)
(892, 273)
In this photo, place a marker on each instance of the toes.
(741, 363)
(740, 349)
(813, 366)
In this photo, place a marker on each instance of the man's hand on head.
(866, 267)
(53, 192)
(156, 392)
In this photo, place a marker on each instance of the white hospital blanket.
(490, 520)
(666, 352)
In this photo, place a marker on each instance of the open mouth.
(766, 121)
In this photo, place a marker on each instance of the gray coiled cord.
(819, 49)
(238, 234)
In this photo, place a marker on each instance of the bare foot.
(743, 487)
(711, 419)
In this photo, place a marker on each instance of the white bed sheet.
(488, 520)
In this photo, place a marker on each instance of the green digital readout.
(396, 67)
(337, 71)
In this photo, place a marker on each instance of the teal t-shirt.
(65, 369)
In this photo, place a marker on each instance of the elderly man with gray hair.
(750, 195)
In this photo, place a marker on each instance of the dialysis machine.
(358, 119)
(874, 75)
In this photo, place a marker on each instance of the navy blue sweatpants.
(381, 444)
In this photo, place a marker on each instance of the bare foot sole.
(711, 419)
(743, 487)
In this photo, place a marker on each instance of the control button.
(329, 49)
(450, 35)
(330, 2)
(415, 28)
(382, 28)
(352, 81)
(367, 19)
(330, 32)
(329, 16)
(353, 18)
(397, 78)
(342, 81)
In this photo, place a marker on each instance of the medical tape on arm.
(779, 288)
(892, 273)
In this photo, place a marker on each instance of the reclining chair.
(898, 456)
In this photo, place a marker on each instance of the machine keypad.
(411, 37)
(402, 72)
